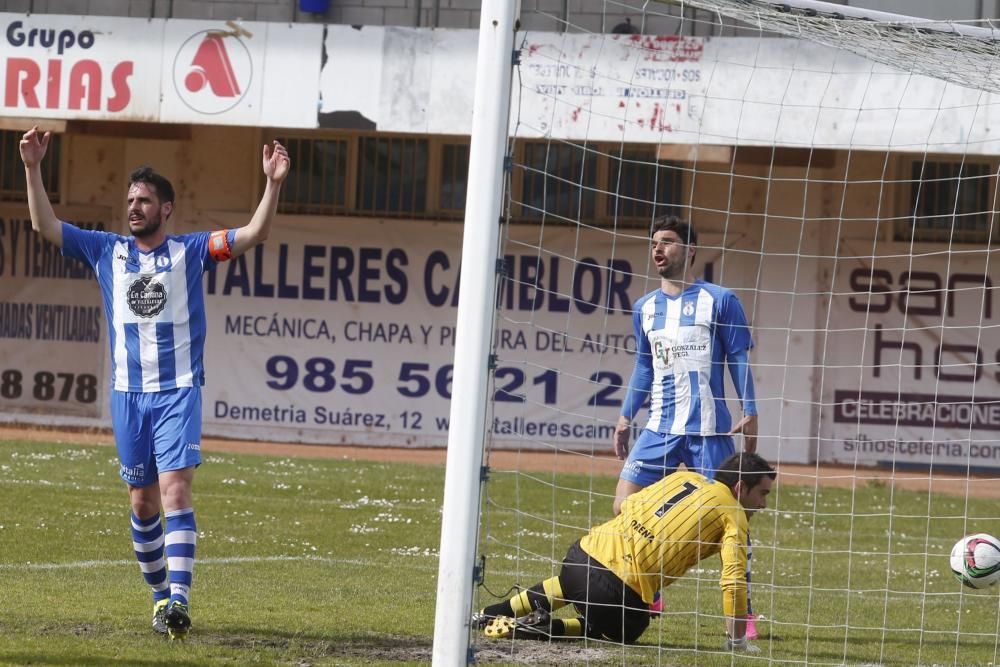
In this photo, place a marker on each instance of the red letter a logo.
(211, 65)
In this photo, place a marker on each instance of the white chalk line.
(93, 564)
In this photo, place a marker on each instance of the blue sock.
(180, 542)
(147, 540)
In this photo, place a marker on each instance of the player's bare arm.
(276, 164)
(747, 427)
(33, 147)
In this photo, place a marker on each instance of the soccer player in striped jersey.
(612, 573)
(686, 332)
(151, 284)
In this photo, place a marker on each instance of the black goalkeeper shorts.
(611, 609)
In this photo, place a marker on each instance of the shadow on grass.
(366, 646)
(228, 646)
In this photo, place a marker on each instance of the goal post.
(473, 338)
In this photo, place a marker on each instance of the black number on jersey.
(688, 489)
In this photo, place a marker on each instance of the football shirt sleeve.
(640, 383)
(733, 328)
(739, 371)
(83, 244)
(734, 563)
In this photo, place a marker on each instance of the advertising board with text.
(353, 342)
(159, 70)
(913, 362)
(52, 328)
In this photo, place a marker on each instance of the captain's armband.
(218, 245)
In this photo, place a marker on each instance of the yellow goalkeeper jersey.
(669, 526)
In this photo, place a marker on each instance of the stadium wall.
(774, 254)
(547, 15)
(315, 351)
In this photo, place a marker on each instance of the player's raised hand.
(748, 428)
(276, 162)
(621, 437)
(33, 146)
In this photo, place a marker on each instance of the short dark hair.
(145, 174)
(672, 223)
(750, 468)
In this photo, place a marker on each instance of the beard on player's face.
(147, 226)
(672, 265)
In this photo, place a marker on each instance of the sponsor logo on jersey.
(146, 297)
(662, 352)
(134, 475)
(131, 263)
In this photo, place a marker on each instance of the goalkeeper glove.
(741, 645)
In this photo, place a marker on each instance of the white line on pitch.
(201, 561)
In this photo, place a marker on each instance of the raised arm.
(43, 219)
(276, 166)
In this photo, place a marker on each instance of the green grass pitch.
(843, 576)
(300, 562)
(333, 562)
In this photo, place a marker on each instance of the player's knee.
(145, 501)
(617, 505)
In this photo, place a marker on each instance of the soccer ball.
(975, 560)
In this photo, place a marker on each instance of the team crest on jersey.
(687, 309)
(146, 298)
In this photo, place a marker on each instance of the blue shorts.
(156, 432)
(656, 455)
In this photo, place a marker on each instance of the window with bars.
(558, 180)
(640, 187)
(318, 183)
(454, 177)
(392, 175)
(389, 176)
(12, 183)
(949, 202)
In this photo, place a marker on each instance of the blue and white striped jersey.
(682, 345)
(154, 304)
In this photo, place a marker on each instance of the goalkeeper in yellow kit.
(612, 573)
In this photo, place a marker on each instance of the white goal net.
(840, 169)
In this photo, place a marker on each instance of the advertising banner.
(660, 89)
(52, 324)
(159, 70)
(912, 362)
(350, 341)
(353, 341)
